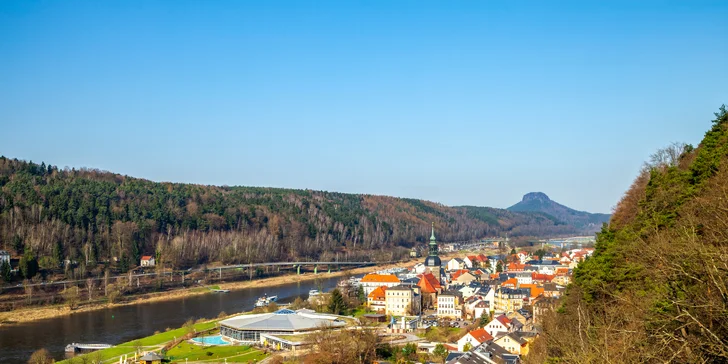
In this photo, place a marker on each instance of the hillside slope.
(540, 202)
(92, 216)
(656, 289)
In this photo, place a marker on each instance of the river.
(125, 323)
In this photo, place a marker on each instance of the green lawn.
(193, 352)
(147, 342)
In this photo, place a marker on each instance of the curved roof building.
(248, 328)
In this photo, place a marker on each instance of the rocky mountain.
(540, 202)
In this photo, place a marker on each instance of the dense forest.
(656, 289)
(91, 216)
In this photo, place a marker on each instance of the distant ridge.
(540, 202)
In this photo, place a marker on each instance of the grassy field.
(193, 352)
(147, 343)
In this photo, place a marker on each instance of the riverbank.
(46, 312)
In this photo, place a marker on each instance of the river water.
(125, 323)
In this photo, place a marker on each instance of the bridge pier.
(315, 269)
(298, 270)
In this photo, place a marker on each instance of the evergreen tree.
(499, 267)
(28, 264)
(337, 306)
(58, 253)
(18, 244)
(360, 294)
(5, 271)
(484, 319)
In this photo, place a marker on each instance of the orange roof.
(516, 266)
(542, 277)
(535, 290)
(510, 282)
(482, 257)
(380, 278)
(379, 294)
(146, 257)
(480, 335)
(472, 258)
(428, 283)
(561, 271)
(458, 273)
(449, 347)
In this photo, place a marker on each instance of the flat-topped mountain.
(540, 202)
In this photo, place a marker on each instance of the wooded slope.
(91, 216)
(656, 289)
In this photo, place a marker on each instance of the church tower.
(433, 262)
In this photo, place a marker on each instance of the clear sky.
(460, 102)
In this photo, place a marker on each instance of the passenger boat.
(265, 300)
(313, 292)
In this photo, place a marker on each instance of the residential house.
(377, 299)
(498, 325)
(487, 353)
(147, 261)
(513, 343)
(474, 338)
(463, 277)
(455, 264)
(510, 299)
(469, 290)
(449, 304)
(471, 261)
(481, 309)
(402, 301)
(371, 281)
(524, 277)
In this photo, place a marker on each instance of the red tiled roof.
(379, 294)
(482, 258)
(428, 283)
(146, 257)
(458, 273)
(541, 277)
(472, 258)
(480, 335)
(380, 278)
(504, 320)
(450, 347)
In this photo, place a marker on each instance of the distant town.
(461, 303)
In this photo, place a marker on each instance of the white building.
(449, 305)
(147, 261)
(371, 281)
(455, 264)
(402, 301)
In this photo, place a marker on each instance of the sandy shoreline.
(40, 313)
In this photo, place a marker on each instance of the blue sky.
(460, 102)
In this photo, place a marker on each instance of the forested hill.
(540, 202)
(656, 288)
(89, 215)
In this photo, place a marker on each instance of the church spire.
(432, 237)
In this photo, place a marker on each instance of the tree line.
(57, 218)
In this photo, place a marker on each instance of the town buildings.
(371, 281)
(402, 301)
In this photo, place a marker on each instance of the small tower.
(433, 262)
